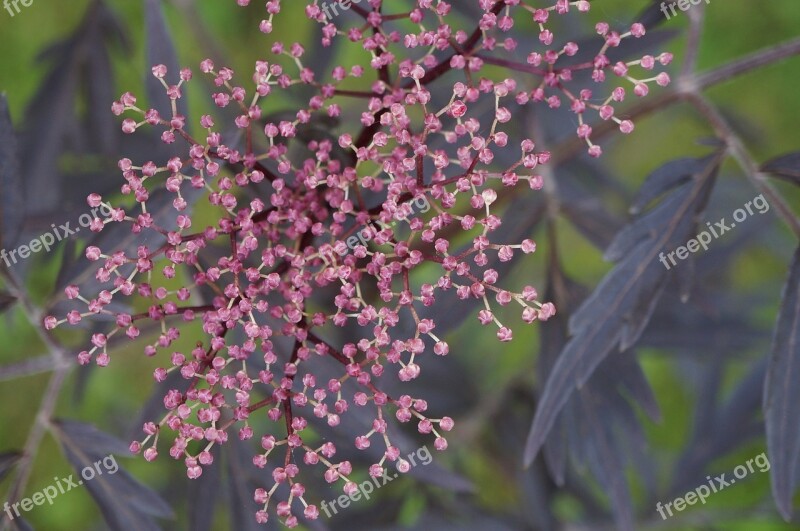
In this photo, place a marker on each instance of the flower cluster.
(435, 124)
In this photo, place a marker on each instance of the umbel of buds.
(436, 124)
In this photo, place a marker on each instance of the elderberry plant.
(418, 134)
(297, 256)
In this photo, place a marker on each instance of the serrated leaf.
(605, 460)
(52, 118)
(567, 295)
(647, 225)
(665, 178)
(712, 324)
(597, 423)
(620, 307)
(125, 503)
(720, 427)
(90, 439)
(743, 402)
(782, 394)
(628, 373)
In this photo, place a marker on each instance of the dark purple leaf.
(586, 212)
(782, 394)
(713, 323)
(567, 294)
(620, 307)
(665, 178)
(125, 503)
(81, 60)
(744, 401)
(652, 15)
(537, 509)
(786, 167)
(90, 440)
(627, 373)
(604, 458)
(12, 204)
(720, 427)
(598, 425)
